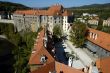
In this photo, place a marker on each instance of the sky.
(65, 3)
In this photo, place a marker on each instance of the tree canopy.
(77, 34)
(100, 24)
(57, 31)
(23, 42)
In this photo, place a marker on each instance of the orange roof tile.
(55, 10)
(67, 13)
(31, 12)
(52, 11)
(65, 68)
(51, 64)
(104, 64)
(39, 51)
(36, 58)
(56, 7)
(57, 67)
(46, 68)
(102, 39)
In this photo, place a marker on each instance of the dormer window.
(95, 36)
(43, 59)
(90, 34)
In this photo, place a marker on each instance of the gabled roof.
(46, 68)
(31, 12)
(57, 67)
(50, 65)
(65, 68)
(104, 64)
(54, 10)
(67, 13)
(102, 39)
(56, 7)
(40, 50)
(36, 58)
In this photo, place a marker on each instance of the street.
(60, 53)
(80, 53)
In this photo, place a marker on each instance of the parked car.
(64, 45)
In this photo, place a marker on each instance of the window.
(59, 21)
(43, 59)
(95, 36)
(90, 34)
(55, 21)
(55, 18)
(51, 18)
(20, 20)
(106, 52)
(44, 18)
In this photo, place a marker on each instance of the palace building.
(31, 20)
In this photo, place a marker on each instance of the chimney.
(90, 69)
(70, 61)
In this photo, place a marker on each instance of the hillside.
(103, 10)
(95, 6)
(10, 7)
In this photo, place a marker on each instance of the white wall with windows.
(66, 25)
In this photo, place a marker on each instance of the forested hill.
(9, 6)
(103, 10)
(95, 6)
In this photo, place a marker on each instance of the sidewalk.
(80, 53)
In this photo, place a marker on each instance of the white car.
(64, 45)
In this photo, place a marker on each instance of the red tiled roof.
(39, 51)
(57, 67)
(46, 68)
(67, 13)
(36, 58)
(65, 68)
(32, 12)
(102, 39)
(52, 11)
(55, 10)
(51, 64)
(104, 64)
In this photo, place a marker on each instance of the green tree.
(57, 31)
(77, 34)
(23, 42)
(100, 25)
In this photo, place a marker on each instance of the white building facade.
(93, 22)
(106, 22)
(56, 14)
